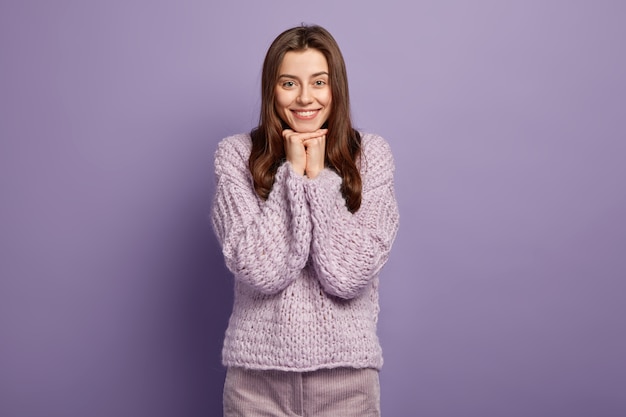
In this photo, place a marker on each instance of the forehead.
(306, 62)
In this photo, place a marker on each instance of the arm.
(265, 244)
(348, 250)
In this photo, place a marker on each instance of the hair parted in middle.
(343, 142)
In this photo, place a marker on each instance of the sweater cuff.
(294, 184)
(324, 191)
(299, 221)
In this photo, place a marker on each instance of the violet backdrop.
(505, 292)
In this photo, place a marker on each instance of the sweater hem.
(310, 368)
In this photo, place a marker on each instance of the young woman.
(306, 215)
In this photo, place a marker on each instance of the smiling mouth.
(309, 114)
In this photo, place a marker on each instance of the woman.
(306, 215)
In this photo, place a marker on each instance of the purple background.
(505, 293)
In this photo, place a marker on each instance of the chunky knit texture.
(306, 269)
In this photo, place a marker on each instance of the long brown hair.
(343, 142)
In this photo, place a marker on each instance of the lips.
(305, 114)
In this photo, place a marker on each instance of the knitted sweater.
(305, 268)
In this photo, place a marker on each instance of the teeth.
(305, 113)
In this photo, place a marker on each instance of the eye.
(288, 84)
(320, 83)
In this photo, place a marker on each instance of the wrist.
(298, 169)
(312, 173)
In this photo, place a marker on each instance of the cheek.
(328, 98)
(281, 99)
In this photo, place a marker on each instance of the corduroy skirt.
(339, 392)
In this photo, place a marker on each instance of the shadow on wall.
(204, 284)
(210, 297)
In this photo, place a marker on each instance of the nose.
(305, 95)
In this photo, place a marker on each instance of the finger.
(306, 135)
(320, 139)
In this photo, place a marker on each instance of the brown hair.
(343, 142)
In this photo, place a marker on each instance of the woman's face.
(302, 94)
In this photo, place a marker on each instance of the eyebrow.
(317, 74)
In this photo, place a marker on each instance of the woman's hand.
(315, 155)
(305, 151)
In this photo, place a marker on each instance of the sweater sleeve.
(348, 250)
(265, 243)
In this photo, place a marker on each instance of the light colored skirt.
(339, 392)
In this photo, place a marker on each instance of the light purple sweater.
(306, 269)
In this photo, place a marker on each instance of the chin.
(307, 130)
(307, 127)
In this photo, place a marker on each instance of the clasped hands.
(306, 151)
